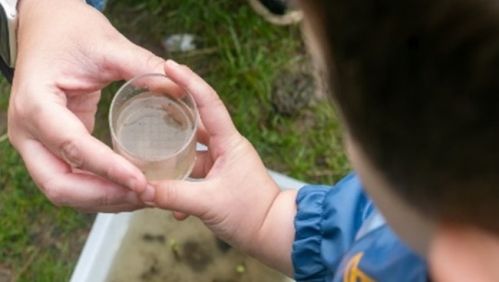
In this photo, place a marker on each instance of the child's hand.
(237, 199)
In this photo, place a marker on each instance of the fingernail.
(150, 204)
(148, 195)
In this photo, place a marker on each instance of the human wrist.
(273, 242)
(21, 4)
(42, 6)
(40, 20)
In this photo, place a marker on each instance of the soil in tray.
(159, 248)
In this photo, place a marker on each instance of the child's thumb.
(182, 196)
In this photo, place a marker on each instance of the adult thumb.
(183, 196)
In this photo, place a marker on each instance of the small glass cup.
(154, 127)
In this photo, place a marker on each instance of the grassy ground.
(241, 56)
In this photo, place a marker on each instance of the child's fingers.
(186, 197)
(213, 113)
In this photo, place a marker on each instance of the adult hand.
(236, 198)
(67, 52)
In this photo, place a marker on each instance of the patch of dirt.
(292, 90)
(153, 238)
(196, 256)
(5, 274)
(159, 248)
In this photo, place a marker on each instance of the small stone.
(240, 268)
(183, 42)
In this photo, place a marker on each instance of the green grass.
(239, 55)
(38, 242)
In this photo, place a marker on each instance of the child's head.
(417, 84)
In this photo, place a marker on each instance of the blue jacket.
(98, 4)
(341, 236)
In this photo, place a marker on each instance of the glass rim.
(114, 135)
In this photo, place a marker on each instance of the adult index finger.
(78, 190)
(66, 137)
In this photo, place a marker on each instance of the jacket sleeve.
(98, 4)
(326, 224)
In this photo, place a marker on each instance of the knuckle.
(108, 60)
(113, 172)
(25, 104)
(167, 196)
(17, 108)
(71, 154)
(105, 200)
(152, 60)
(36, 113)
(106, 63)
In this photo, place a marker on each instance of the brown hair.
(417, 83)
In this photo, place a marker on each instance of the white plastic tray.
(108, 231)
